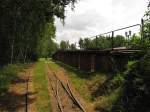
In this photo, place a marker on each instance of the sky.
(93, 17)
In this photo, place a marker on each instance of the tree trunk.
(12, 51)
(25, 54)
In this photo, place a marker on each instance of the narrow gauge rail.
(62, 90)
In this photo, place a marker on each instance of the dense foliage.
(65, 45)
(25, 25)
(104, 42)
(136, 94)
(146, 28)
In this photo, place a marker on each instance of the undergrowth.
(136, 93)
(7, 74)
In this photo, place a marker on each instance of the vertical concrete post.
(92, 62)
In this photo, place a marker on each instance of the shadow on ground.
(12, 101)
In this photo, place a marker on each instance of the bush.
(118, 80)
(136, 95)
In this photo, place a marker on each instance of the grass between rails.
(100, 89)
(7, 74)
(40, 84)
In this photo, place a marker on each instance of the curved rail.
(56, 94)
(77, 102)
(70, 93)
(67, 89)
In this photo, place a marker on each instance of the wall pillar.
(92, 62)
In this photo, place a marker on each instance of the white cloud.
(92, 17)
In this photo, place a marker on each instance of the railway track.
(65, 99)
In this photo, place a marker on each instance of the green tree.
(73, 47)
(81, 43)
(64, 45)
(135, 41)
(87, 43)
(23, 26)
(146, 27)
(53, 47)
(119, 41)
(103, 42)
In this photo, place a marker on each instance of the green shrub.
(136, 94)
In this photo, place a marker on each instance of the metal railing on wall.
(112, 33)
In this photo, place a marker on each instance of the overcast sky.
(92, 17)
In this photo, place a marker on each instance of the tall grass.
(40, 83)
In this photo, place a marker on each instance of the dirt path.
(15, 99)
(31, 93)
(61, 74)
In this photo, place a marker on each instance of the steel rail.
(77, 102)
(56, 94)
(70, 93)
